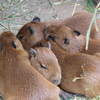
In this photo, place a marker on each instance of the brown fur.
(71, 67)
(80, 21)
(18, 79)
(30, 40)
(47, 64)
(76, 43)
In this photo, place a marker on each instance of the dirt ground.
(15, 13)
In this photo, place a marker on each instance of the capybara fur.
(71, 40)
(81, 21)
(77, 65)
(48, 66)
(18, 79)
(32, 32)
(46, 63)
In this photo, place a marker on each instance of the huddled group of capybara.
(43, 59)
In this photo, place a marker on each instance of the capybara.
(81, 21)
(77, 65)
(32, 32)
(18, 79)
(71, 40)
(46, 63)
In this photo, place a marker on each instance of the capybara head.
(31, 33)
(8, 41)
(65, 37)
(46, 63)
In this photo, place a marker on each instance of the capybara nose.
(51, 37)
(56, 82)
(66, 41)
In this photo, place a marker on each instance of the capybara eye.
(36, 19)
(32, 30)
(13, 44)
(66, 41)
(21, 37)
(76, 32)
(42, 66)
(0, 47)
(51, 37)
(42, 45)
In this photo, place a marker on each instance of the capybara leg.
(65, 95)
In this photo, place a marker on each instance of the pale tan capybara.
(46, 63)
(71, 66)
(71, 40)
(32, 32)
(18, 79)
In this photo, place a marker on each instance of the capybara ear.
(32, 30)
(14, 44)
(36, 19)
(77, 32)
(32, 52)
(0, 47)
(66, 41)
(42, 45)
(49, 45)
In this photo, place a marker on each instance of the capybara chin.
(46, 63)
(18, 79)
(32, 32)
(71, 40)
(71, 67)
